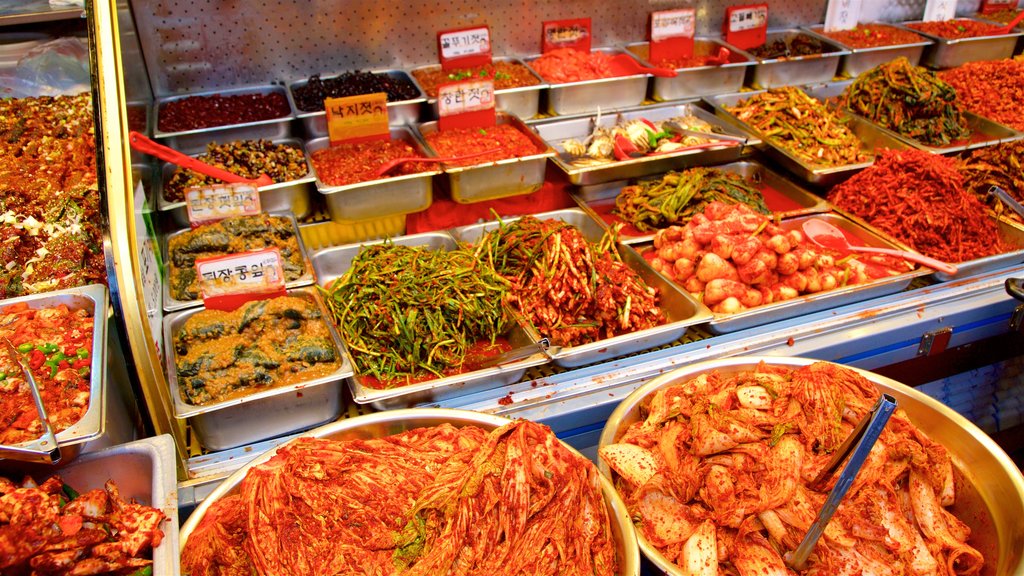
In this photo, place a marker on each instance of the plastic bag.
(53, 68)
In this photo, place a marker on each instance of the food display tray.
(782, 196)
(399, 113)
(592, 95)
(499, 179)
(332, 263)
(172, 304)
(774, 72)
(871, 137)
(272, 129)
(556, 131)
(993, 498)
(396, 421)
(523, 101)
(984, 132)
(93, 299)
(680, 309)
(266, 413)
(950, 53)
(701, 80)
(294, 195)
(859, 60)
(394, 196)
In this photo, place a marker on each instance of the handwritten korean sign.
(571, 33)
(672, 34)
(465, 47)
(355, 118)
(226, 282)
(211, 203)
(746, 26)
(842, 15)
(466, 104)
(939, 10)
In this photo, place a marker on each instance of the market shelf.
(36, 11)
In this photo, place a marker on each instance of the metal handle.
(541, 346)
(1006, 199)
(1015, 288)
(45, 448)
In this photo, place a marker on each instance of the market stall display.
(428, 468)
(50, 225)
(998, 165)
(307, 96)
(793, 57)
(754, 489)
(506, 141)
(871, 44)
(963, 40)
(582, 82)
(517, 89)
(991, 89)
(282, 162)
(714, 68)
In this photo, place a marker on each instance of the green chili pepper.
(3, 375)
(69, 492)
(25, 348)
(83, 371)
(82, 353)
(47, 348)
(144, 571)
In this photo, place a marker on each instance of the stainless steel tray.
(271, 129)
(773, 72)
(591, 95)
(294, 196)
(950, 53)
(399, 113)
(523, 101)
(172, 304)
(90, 426)
(556, 131)
(500, 179)
(782, 196)
(860, 60)
(331, 263)
(992, 503)
(984, 132)
(870, 136)
(810, 303)
(699, 81)
(393, 196)
(263, 414)
(396, 421)
(681, 310)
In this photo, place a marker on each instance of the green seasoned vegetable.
(678, 196)
(406, 310)
(910, 100)
(70, 492)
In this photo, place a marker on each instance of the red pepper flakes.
(506, 138)
(953, 29)
(919, 198)
(872, 35)
(993, 89)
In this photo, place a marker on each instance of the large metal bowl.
(991, 495)
(395, 421)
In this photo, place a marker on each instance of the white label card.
(673, 24)
(842, 15)
(939, 10)
(468, 96)
(238, 273)
(748, 19)
(465, 42)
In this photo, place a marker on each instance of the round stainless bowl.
(991, 496)
(395, 421)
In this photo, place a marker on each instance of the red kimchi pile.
(430, 501)
(716, 476)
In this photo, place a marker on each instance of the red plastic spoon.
(1007, 28)
(387, 166)
(828, 236)
(143, 144)
(625, 65)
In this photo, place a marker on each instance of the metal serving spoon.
(1004, 197)
(45, 448)
(828, 236)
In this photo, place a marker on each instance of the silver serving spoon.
(45, 448)
(1005, 198)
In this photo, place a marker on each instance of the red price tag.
(746, 26)
(468, 104)
(990, 6)
(671, 34)
(358, 118)
(227, 282)
(212, 203)
(573, 33)
(464, 48)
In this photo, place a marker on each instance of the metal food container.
(859, 60)
(172, 304)
(984, 132)
(556, 131)
(499, 179)
(392, 196)
(680, 309)
(591, 95)
(331, 263)
(399, 113)
(872, 138)
(810, 69)
(810, 303)
(396, 421)
(271, 129)
(523, 101)
(950, 53)
(294, 196)
(93, 299)
(782, 196)
(266, 413)
(991, 495)
(701, 80)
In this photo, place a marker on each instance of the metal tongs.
(514, 354)
(857, 445)
(1006, 199)
(44, 449)
(678, 128)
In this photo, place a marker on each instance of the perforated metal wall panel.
(192, 45)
